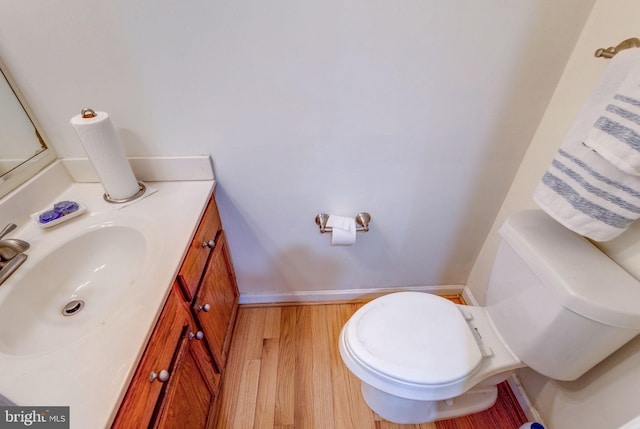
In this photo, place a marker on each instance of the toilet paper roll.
(343, 230)
(106, 153)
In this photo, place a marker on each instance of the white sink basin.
(71, 290)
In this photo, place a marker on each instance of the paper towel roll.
(343, 230)
(106, 153)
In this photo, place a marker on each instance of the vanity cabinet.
(208, 281)
(178, 377)
(216, 302)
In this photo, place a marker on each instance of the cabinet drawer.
(140, 400)
(199, 249)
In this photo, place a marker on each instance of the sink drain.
(72, 307)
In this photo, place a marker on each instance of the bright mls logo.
(34, 417)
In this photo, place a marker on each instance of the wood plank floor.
(285, 372)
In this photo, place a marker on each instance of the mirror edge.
(25, 171)
(16, 177)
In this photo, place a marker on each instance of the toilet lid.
(414, 337)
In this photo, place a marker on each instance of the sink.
(71, 290)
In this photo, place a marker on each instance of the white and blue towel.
(616, 133)
(583, 188)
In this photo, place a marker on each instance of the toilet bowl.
(421, 357)
(555, 303)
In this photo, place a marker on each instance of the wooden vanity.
(178, 378)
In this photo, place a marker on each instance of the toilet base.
(407, 411)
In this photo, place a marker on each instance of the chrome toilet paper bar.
(362, 222)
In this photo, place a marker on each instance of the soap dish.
(60, 212)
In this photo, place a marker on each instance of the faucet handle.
(11, 266)
(7, 229)
(11, 247)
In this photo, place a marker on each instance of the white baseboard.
(339, 295)
(149, 169)
(525, 404)
(468, 297)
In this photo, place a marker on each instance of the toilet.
(555, 303)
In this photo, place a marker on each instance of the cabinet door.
(191, 390)
(199, 249)
(144, 391)
(217, 301)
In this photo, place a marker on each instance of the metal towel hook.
(612, 50)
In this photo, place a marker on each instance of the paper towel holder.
(88, 113)
(362, 221)
(141, 190)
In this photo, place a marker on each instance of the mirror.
(23, 151)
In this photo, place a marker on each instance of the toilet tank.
(560, 304)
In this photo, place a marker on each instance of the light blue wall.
(415, 111)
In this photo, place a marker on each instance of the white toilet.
(555, 303)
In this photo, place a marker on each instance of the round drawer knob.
(204, 308)
(162, 376)
(198, 335)
(210, 244)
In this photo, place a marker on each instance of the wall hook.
(612, 50)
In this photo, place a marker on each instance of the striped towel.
(616, 133)
(588, 195)
(582, 189)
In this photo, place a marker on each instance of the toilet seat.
(414, 338)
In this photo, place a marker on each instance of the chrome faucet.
(11, 253)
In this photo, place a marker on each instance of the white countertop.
(90, 374)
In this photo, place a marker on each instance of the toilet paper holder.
(362, 222)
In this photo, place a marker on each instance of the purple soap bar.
(65, 207)
(49, 215)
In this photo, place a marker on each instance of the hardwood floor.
(284, 371)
